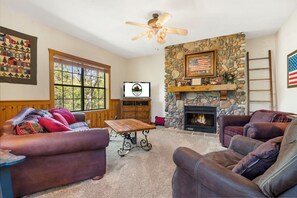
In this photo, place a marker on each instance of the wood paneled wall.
(9, 109)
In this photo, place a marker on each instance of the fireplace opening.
(201, 118)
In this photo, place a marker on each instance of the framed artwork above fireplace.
(200, 65)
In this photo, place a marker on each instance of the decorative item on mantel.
(228, 78)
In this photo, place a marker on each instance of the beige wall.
(286, 43)
(51, 38)
(150, 69)
(258, 48)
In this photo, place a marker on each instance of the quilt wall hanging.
(18, 57)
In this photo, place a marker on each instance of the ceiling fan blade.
(137, 24)
(176, 31)
(162, 19)
(140, 35)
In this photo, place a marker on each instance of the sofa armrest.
(213, 176)
(265, 130)
(243, 145)
(79, 116)
(44, 144)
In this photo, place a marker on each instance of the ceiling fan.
(155, 25)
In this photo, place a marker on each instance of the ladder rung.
(259, 90)
(258, 58)
(259, 79)
(260, 101)
(258, 68)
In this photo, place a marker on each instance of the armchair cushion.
(258, 161)
(281, 176)
(263, 116)
(234, 130)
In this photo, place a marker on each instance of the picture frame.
(18, 57)
(292, 69)
(200, 65)
(196, 81)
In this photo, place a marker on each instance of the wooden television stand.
(136, 108)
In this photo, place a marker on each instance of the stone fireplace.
(230, 58)
(200, 118)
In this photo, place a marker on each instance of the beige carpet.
(140, 173)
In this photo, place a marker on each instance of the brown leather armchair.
(262, 125)
(54, 159)
(210, 175)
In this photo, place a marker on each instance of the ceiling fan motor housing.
(152, 22)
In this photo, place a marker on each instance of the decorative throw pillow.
(60, 118)
(53, 125)
(29, 127)
(258, 161)
(159, 120)
(69, 117)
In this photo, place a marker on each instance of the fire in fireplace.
(201, 118)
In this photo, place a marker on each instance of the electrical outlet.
(115, 117)
(88, 121)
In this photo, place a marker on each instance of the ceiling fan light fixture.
(161, 39)
(150, 34)
(163, 34)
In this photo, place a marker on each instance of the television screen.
(137, 89)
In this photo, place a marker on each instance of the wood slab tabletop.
(128, 125)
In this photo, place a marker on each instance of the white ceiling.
(102, 22)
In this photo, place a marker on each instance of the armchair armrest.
(265, 131)
(44, 144)
(79, 116)
(243, 145)
(231, 120)
(212, 175)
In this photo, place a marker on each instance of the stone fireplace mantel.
(221, 88)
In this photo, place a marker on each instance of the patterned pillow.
(69, 117)
(53, 125)
(29, 126)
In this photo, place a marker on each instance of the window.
(79, 84)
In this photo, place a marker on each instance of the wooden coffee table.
(128, 128)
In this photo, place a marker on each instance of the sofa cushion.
(60, 118)
(53, 125)
(233, 130)
(263, 116)
(258, 161)
(65, 113)
(281, 176)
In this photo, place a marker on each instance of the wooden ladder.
(259, 83)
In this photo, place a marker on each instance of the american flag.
(292, 69)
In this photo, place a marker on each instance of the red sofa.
(54, 159)
(261, 125)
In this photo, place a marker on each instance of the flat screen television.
(137, 90)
